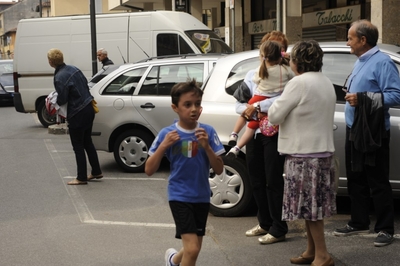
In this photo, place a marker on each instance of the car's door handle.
(147, 105)
(335, 127)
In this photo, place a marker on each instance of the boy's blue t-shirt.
(190, 167)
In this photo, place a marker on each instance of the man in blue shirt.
(376, 78)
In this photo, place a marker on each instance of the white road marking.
(36, 118)
(125, 178)
(130, 223)
(80, 206)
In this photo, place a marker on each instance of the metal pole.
(284, 15)
(40, 8)
(93, 36)
(278, 15)
(233, 29)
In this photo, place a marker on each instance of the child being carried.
(270, 77)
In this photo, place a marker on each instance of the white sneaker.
(233, 139)
(234, 151)
(168, 256)
(270, 239)
(256, 231)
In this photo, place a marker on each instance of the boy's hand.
(202, 136)
(170, 138)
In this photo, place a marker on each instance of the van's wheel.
(131, 150)
(231, 192)
(44, 117)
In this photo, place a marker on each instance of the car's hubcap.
(227, 189)
(133, 151)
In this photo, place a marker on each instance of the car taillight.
(16, 86)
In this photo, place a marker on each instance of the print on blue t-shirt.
(188, 181)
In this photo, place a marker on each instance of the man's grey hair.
(102, 50)
(366, 28)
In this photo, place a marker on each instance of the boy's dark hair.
(180, 88)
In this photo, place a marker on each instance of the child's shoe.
(233, 139)
(233, 152)
(168, 256)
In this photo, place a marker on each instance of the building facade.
(241, 23)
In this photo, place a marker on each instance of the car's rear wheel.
(131, 150)
(231, 192)
(44, 117)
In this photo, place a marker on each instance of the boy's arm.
(215, 161)
(153, 162)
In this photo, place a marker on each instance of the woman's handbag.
(95, 108)
(267, 128)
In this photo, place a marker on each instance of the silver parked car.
(231, 192)
(135, 104)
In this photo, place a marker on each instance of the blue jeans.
(80, 132)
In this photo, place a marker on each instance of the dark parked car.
(6, 81)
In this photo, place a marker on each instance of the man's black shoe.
(348, 231)
(383, 239)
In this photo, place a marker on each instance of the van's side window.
(172, 44)
(161, 79)
(126, 83)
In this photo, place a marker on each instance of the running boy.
(191, 148)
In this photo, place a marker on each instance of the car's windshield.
(208, 42)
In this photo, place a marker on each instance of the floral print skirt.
(309, 190)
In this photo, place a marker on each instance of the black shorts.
(189, 217)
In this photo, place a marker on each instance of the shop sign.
(327, 17)
(262, 26)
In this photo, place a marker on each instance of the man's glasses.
(345, 82)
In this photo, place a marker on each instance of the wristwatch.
(257, 106)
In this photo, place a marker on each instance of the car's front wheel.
(231, 192)
(131, 150)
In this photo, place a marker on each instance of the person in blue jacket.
(72, 88)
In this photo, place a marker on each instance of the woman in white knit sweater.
(305, 113)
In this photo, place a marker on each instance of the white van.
(128, 37)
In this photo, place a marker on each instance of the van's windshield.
(208, 42)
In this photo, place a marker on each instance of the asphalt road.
(124, 219)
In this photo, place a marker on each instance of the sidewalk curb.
(58, 129)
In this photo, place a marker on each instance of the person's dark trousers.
(266, 167)
(255, 162)
(372, 181)
(273, 165)
(80, 131)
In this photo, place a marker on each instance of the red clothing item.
(254, 124)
